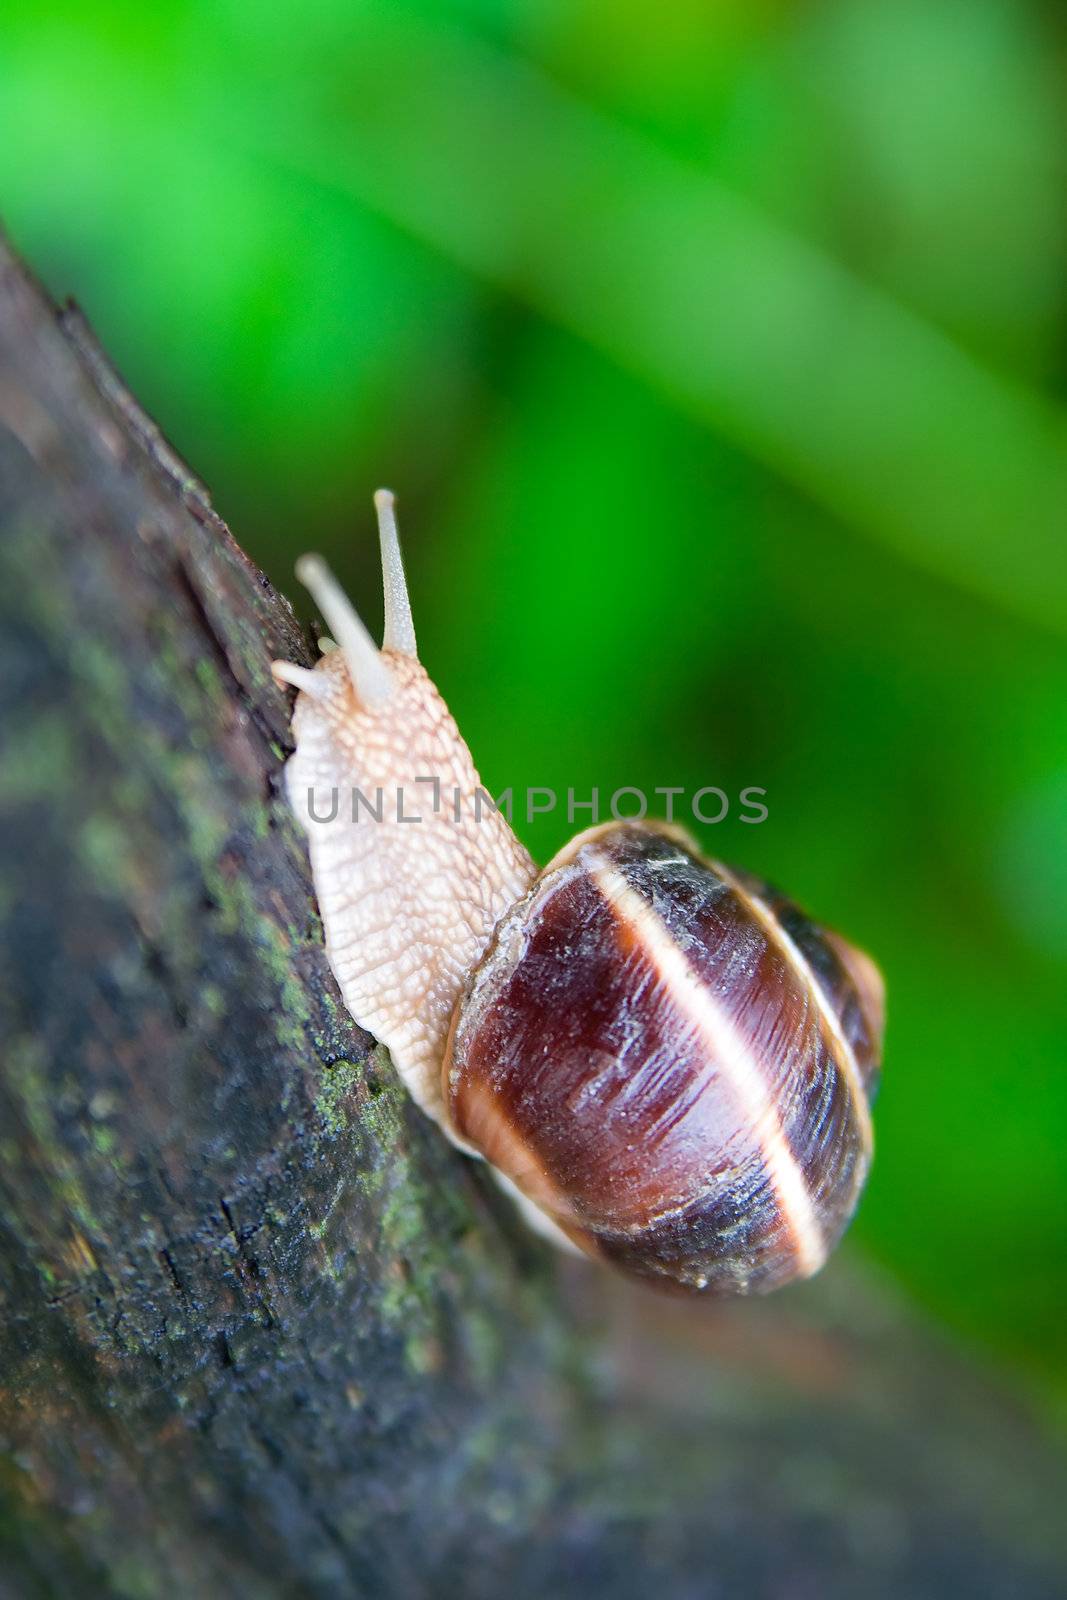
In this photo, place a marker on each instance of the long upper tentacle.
(399, 628)
(370, 675)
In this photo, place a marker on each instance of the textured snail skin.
(408, 908)
(672, 1062)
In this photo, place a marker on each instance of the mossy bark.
(261, 1331)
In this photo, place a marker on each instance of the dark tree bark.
(262, 1332)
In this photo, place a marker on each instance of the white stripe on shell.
(843, 1052)
(730, 1052)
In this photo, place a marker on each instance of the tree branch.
(262, 1331)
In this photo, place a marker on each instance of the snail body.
(668, 1062)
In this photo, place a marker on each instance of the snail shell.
(672, 1062)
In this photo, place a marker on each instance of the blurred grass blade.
(870, 410)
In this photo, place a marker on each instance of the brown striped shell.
(672, 1062)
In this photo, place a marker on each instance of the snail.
(665, 1061)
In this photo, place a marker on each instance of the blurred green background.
(717, 353)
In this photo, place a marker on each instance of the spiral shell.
(673, 1062)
